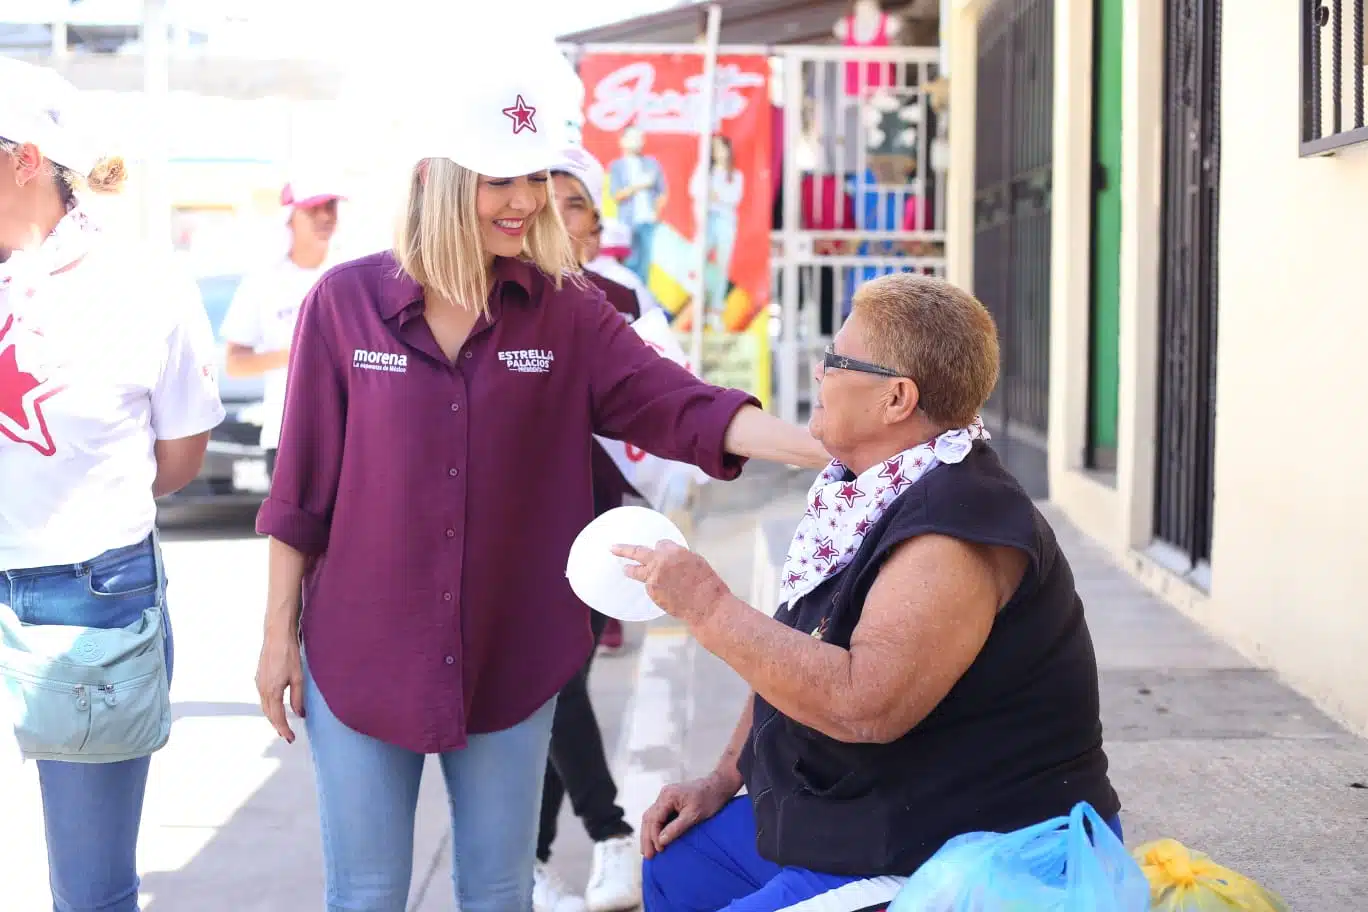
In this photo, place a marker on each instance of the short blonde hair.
(108, 175)
(439, 242)
(938, 335)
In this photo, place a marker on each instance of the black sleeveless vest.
(1017, 740)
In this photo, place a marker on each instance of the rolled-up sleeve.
(651, 402)
(299, 509)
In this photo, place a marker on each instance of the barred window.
(1332, 75)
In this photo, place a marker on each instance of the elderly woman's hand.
(682, 583)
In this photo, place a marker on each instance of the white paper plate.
(595, 572)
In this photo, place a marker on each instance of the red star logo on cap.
(521, 115)
(21, 399)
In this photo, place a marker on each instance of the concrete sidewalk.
(1204, 747)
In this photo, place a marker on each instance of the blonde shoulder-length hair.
(439, 242)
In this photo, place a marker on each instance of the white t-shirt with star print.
(96, 365)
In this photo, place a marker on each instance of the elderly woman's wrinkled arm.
(924, 621)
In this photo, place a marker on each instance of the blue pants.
(715, 867)
(92, 811)
(717, 272)
(368, 796)
(643, 250)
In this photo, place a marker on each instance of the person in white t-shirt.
(107, 396)
(260, 322)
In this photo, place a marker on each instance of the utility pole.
(59, 32)
(156, 189)
(711, 36)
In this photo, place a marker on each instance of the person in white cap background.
(581, 204)
(583, 197)
(578, 765)
(261, 318)
(433, 471)
(107, 397)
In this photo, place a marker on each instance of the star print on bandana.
(825, 551)
(850, 493)
(826, 544)
(521, 114)
(22, 396)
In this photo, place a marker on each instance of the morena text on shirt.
(381, 361)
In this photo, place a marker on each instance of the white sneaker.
(549, 893)
(615, 879)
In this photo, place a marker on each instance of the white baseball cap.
(40, 107)
(579, 164)
(309, 192)
(498, 117)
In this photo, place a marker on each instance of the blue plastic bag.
(1050, 867)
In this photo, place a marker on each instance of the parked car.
(235, 464)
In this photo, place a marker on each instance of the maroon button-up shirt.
(442, 498)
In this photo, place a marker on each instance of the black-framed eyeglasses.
(830, 359)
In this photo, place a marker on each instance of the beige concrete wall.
(1290, 556)
(1290, 553)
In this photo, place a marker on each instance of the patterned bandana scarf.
(26, 270)
(841, 512)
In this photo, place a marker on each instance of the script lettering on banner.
(642, 117)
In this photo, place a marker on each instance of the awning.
(753, 22)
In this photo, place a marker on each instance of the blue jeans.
(368, 796)
(717, 271)
(92, 811)
(715, 867)
(643, 250)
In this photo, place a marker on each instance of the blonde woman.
(107, 397)
(433, 469)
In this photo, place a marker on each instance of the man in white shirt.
(260, 322)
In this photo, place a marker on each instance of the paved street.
(1204, 747)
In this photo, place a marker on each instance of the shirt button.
(453, 472)
(446, 596)
(455, 406)
(470, 354)
(451, 533)
(451, 660)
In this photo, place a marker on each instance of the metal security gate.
(1014, 158)
(862, 191)
(1184, 479)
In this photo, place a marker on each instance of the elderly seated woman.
(930, 672)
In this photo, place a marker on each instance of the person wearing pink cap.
(433, 471)
(261, 318)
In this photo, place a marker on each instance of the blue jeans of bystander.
(92, 811)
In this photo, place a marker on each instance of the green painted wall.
(1106, 246)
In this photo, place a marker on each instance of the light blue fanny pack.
(83, 694)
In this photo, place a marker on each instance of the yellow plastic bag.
(1184, 881)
